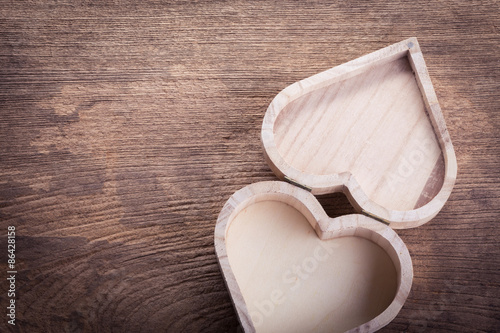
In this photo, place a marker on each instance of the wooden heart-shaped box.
(371, 128)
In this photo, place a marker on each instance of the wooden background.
(125, 126)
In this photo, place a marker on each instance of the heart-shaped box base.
(291, 268)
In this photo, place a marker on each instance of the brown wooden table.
(125, 127)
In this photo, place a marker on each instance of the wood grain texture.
(125, 126)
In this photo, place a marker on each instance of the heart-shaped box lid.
(371, 128)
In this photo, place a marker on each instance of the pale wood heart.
(291, 268)
(372, 128)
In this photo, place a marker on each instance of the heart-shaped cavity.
(377, 129)
(283, 268)
(291, 268)
(371, 128)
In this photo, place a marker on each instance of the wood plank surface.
(126, 125)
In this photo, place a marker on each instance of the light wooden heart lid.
(371, 128)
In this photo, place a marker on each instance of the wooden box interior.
(373, 129)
